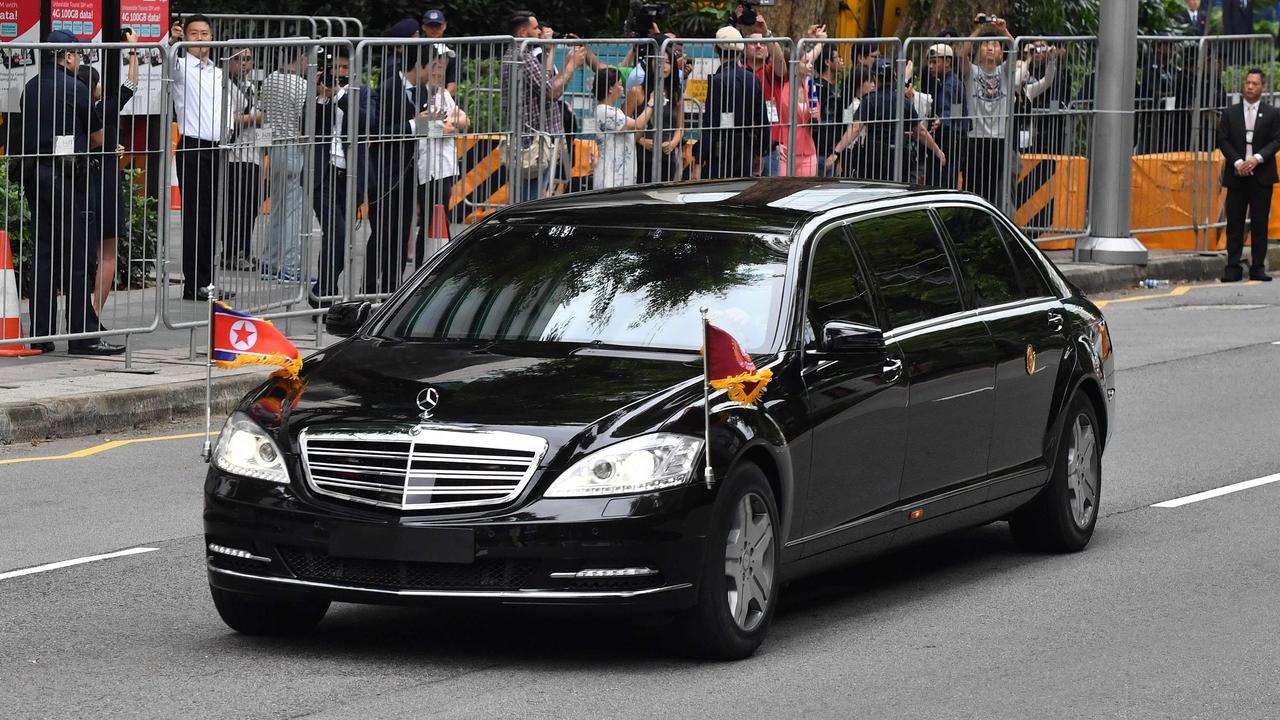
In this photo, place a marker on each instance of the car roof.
(773, 204)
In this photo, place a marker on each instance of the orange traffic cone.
(439, 229)
(10, 323)
(175, 193)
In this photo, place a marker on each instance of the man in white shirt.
(197, 99)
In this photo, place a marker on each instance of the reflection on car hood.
(377, 380)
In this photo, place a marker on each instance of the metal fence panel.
(245, 155)
(82, 227)
(427, 156)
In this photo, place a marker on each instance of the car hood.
(550, 391)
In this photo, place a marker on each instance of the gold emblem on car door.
(1031, 360)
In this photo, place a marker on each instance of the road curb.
(1093, 278)
(116, 410)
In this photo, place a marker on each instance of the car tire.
(742, 552)
(1063, 516)
(260, 615)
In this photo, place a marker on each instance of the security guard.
(59, 129)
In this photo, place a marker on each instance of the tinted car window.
(981, 254)
(1032, 281)
(910, 266)
(635, 287)
(837, 290)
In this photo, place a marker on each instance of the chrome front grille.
(426, 468)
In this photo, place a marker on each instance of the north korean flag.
(241, 339)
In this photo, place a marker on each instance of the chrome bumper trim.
(481, 594)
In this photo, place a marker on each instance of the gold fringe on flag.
(736, 386)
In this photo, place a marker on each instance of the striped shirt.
(539, 109)
(283, 97)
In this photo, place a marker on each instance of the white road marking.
(77, 561)
(1224, 490)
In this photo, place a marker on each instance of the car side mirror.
(841, 336)
(344, 319)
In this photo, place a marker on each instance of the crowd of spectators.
(742, 105)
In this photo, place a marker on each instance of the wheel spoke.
(765, 540)
(763, 579)
(743, 603)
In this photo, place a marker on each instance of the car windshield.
(632, 287)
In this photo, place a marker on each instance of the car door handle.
(892, 370)
(1056, 323)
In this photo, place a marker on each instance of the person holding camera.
(329, 195)
(670, 144)
(989, 84)
(537, 105)
(110, 218)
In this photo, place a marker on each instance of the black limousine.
(523, 422)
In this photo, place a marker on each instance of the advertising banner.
(19, 22)
(149, 21)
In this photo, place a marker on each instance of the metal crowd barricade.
(829, 81)
(1052, 134)
(245, 155)
(1220, 65)
(423, 160)
(255, 27)
(606, 136)
(976, 129)
(732, 119)
(83, 232)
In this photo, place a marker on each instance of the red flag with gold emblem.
(731, 369)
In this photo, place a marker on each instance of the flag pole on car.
(726, 367)
(208, 379)
(707, 473)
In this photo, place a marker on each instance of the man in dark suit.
(1237, 17)
(392, 178)
(1249, 136)
(1194, 19)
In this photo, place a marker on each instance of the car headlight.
(641, 464)
(245, 449)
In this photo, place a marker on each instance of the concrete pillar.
(1110, 161)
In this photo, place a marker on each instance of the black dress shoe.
(202, 295)
(1232, 274)
(43, 347)
(94, 348)
(1259, 274)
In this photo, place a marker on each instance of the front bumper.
(288, 543)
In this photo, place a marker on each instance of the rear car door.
(1029, 330)
(857, 401)
(950, 359)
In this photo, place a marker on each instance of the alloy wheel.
(1082, 471)
(748, 561)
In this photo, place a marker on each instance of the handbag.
(537, 156)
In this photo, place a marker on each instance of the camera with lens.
(641, 17)
(748, 15)
(987, 19)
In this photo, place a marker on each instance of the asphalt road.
(1170, 612)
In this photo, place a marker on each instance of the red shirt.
(772, 85)
(804, 138)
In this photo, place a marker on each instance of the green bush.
(135, 253)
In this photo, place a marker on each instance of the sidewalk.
(60, 395)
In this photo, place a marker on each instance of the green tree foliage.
(588, 18)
